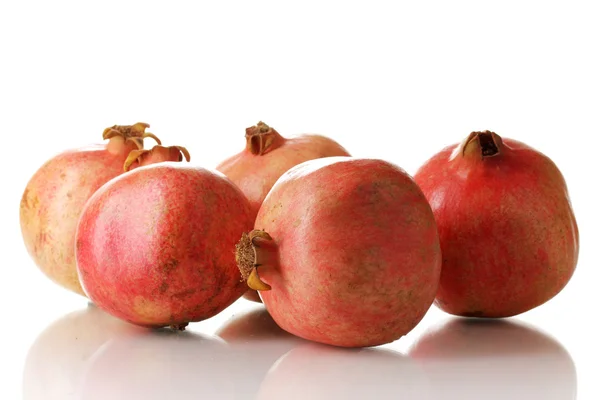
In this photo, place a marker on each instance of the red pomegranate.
(266, 157)
(349, 254)
(154, 246)
(57, 192)
(507, 230)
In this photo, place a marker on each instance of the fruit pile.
(341, 250)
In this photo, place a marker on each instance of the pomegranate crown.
(261, 138)
(155, 155)
(135, 133)
(483, 144)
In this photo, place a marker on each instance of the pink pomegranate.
(349, 254)
(57, 192)
(268, 155)
(507, 230)
(154, 246)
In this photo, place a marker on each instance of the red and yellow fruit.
(57, 192)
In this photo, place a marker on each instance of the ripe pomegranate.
(508, 234)
(349, 254)
(154, 246)
(57, 192)
(494, 359)
(266, 157)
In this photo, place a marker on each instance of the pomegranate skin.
(266, 157)
(255, 169)
(509, 237)
(56, 194)
(154, 245)
(355, 257)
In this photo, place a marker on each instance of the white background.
(393, 80)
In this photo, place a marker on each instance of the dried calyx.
(179, 327)
(155, 155)
(252, 251)
(135, 133)
(261, 138)
(482, 144)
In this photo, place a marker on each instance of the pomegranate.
(494, 359)
(508, 234)
(154, 246)
(349, 254)
(57, 192)
(266, 157)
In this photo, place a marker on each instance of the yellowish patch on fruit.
(148, 312)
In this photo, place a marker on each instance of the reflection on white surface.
(494, 359)
(160, 364)
(57, 359)
(90, 355)
(318, 372)
(256, 343)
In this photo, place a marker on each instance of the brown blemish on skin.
(25, 198)
(28, 200)
(163, 287)
(170, 265)
(184, 294)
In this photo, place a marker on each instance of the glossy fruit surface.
(508, 233)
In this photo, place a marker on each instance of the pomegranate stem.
(483, 144)
(156, 154)
(251, 253)
(136, 133)
(261, 138)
